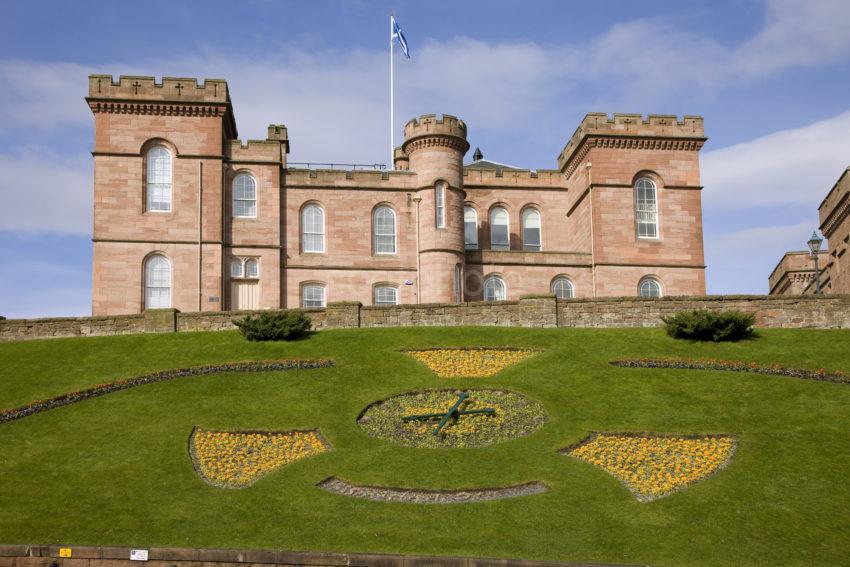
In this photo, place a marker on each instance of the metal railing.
(342, 166)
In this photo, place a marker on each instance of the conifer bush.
(705, 325)
(274, 326)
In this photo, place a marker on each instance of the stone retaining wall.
(809, 311)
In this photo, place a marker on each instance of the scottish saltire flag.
(401, 41)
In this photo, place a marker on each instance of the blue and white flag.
(400, 36)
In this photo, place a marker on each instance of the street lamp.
(814, 245)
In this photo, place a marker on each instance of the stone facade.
(587, 210)
(795, 312)
(793, 275)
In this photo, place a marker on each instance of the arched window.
(458, 287)
(252, 268)
(495, 289)
(563, 288)
(649, 287)
(157, 282)
(312, 229)
(237, 269)
(646, 208)
(312, 295)
(244, 268)
(500, 238)
(383, 230)
(531, 230)
(159, 179)
(386, 295)
(470, 228)
(440, 204)
(244, 196)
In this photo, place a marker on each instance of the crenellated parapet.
(254, 151)
(431, 130)
(401, 161)
(171, 97)
(351, 179)
(519, 178)
(655, 132)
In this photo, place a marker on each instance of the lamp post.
(814, 245)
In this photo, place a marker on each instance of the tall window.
(470, 228)
(440, 204)
(244, 196)
(312, 295)
(458, 287)
(563, 288)
(646, 208)
(312, 229)
(383, 227)
(157, 282)
(531, 230)
(495, 289)
(649, 287)
(159, 179)
(386, 295)
(499, 229)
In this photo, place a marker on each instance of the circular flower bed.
(472, 362)
(514, 416)
(236, 459)
(653, 465)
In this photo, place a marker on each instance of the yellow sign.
(64, 552)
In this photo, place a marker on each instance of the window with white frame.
(470, 228)
(563, 288)
(157, 282)
(500, 238)
(531, 230)
(244, 196)
(646, 208)
(312, 228)
(158, 179)
(383, 230)
(649, 287)
(312, 295)
(386, 295)
(440, 204)
(495, 289)
(244, 268)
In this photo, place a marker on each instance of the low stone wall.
(805, 311)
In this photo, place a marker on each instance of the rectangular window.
(500, 237)
(386, 295)
(470, 229)
(312, 296)
(440, 203)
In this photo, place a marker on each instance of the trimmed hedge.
(706, 325)
(274, 326)
(734, 366)
(103, 389)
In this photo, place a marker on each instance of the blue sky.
(770, 77)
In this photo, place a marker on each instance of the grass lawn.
(115, 470)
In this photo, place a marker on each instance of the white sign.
(408, 282)
(138, 555)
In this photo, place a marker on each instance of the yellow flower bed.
(473, 362)
(652, 466)
(236, 459)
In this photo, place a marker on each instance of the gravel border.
(125, 384)
(422, 496)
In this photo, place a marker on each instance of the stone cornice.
(435, 140)
(166, 108)
(836, 216)
(623, 142)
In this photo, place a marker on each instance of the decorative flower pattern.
(470, 362)
(236, 459)
(652, 465)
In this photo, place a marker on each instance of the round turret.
(435, 148)
(400, 160)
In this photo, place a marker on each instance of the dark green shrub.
(274, 326)
(705, 325)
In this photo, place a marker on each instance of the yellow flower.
(473, 362)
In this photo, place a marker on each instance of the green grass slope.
(115, 470)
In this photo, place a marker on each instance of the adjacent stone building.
(795, 273)
(188, 216)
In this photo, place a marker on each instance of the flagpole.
(392, 116)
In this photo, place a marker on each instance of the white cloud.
(790, 167)
(39, 96)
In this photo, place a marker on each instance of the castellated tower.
(435, 148)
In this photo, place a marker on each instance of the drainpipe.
(200, 232)
(592, 247)
(417, 199)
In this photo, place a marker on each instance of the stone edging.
(423, 496)
(103, 389)
(734, 366)
(90, 556)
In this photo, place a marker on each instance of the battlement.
(171, 89)
(351, 179)
(657, 126)
(431, 124)
(255, 151)
(521, 178)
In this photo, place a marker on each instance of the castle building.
(188, 216)
(795, 272)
